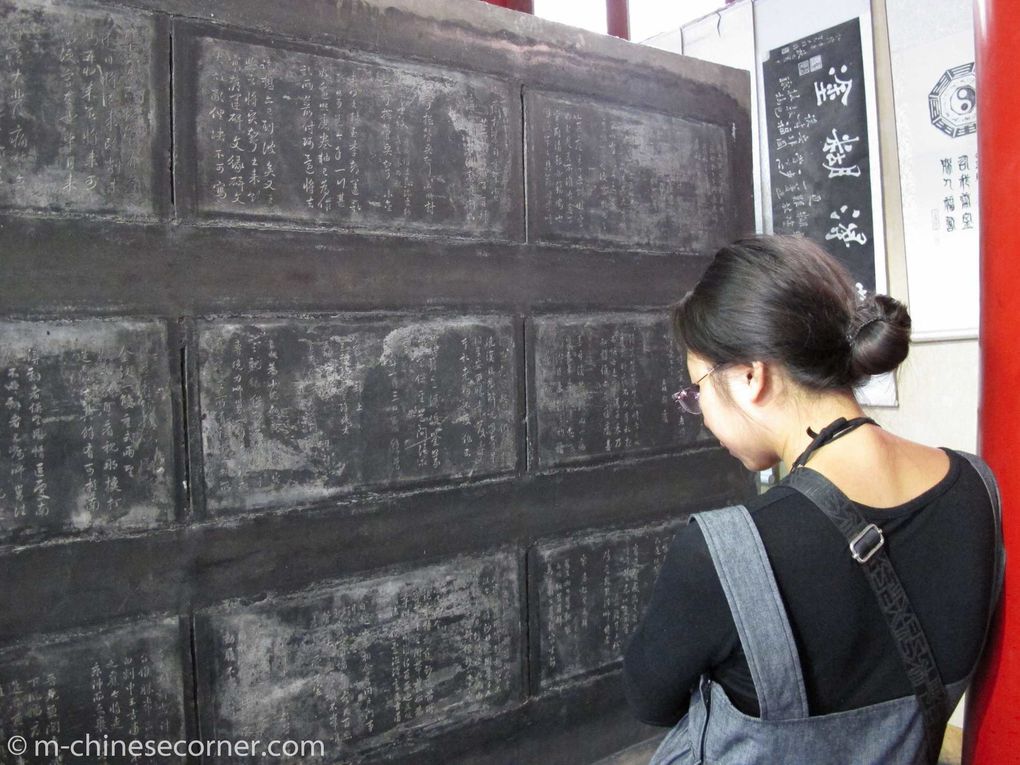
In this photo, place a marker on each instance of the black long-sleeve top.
(941, 544)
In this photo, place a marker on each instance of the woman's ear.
(758, 379)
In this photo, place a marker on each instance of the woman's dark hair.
(784, 299)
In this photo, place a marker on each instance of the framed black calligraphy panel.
(819, 153)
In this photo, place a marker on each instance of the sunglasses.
(689, 398)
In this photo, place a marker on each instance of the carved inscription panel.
(591, 594)
(361, 664)
(604, 173)
(86, 437)
(124, 684)
(604, 385)
(298, 410)
(77, 111)
(287, 134)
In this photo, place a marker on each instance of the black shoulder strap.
(867, 546)
(999, 566)
(988, 478)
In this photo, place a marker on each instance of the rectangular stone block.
(589, 595)
(600, 173)
(363, 664)
(368, 143)
(120, 683)
(298, 410)
(78, 111)
(86, 427)
(604, 385)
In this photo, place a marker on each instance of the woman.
(765, 640)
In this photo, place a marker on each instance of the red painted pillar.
(992, 734)
(618, 18)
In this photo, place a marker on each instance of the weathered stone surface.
(591, 592)
(369, 143)
(299, 410)
(123, 683)
(603, 173)
(604, 385)
(363, 663)
(77, 108)
(86, 436)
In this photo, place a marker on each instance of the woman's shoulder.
(950, 486)
(781, 503)
(879, 469)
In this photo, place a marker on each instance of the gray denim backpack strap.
(758, 611)
(996, 499)
(867, 547)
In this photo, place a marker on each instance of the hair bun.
(879, 337)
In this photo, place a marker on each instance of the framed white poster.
(932, 55)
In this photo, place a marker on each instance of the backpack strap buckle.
(866, 543)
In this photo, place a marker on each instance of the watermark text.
(90, 746)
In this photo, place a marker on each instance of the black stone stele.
(336, 371)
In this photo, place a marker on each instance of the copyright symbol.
(17, 745)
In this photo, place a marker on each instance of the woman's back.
(940, 542)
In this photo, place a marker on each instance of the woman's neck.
(814, 412)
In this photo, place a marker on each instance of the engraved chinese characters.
(298, 410)
(77, 111)
(302, 136)
(604, 385)
(120, 683)
(85, 427)
(599, 172)
(591, 594)
(361, 663)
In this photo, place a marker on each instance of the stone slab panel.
(78, 111)
(591, 592)
(604, 386)
(613, 175)
(123, 683)
(86, 427)
(375, 144)
(299, 410)
(367, 663)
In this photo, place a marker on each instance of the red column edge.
(618, 18)
(992, 728)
